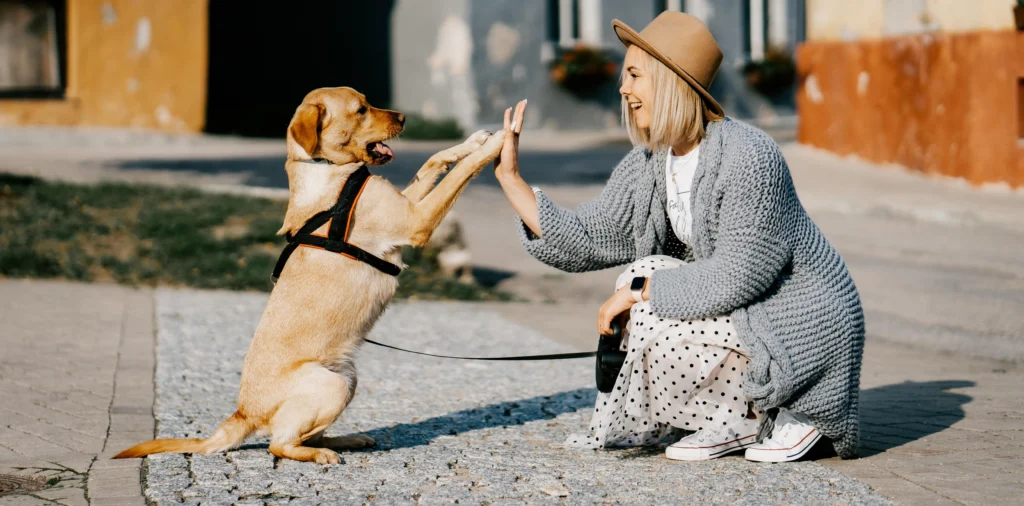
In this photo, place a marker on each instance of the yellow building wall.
(130, 63)
(867, 19)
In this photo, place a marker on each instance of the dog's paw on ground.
(325, 456)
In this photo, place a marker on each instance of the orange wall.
(937, 103)
(130, 63)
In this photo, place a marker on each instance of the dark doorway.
(263, 60)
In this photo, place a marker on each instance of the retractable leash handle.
(610, 358)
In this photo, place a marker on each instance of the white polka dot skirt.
(678, 375)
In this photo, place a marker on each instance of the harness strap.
(338, 220)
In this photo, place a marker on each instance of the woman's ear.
(304, 130)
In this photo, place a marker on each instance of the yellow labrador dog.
(299, 373)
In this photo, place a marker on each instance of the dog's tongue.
(383, 150)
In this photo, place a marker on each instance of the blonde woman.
(745, 330)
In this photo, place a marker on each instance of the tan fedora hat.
(683, 44)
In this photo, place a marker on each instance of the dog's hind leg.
(438, 164)
(312, 405)
(293, 450)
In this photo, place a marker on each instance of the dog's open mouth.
(380, 152)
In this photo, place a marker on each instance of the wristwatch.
(637, 287)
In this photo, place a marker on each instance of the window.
(772, 25)
(571, 22)
(32, 48)
(669, 5)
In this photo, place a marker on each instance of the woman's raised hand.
(506, 169)
(507, 163)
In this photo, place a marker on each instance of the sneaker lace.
(791, 427)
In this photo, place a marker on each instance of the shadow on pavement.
(490, 277)
(406, 435)
(891, 416)
(894, 415)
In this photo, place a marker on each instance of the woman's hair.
(677, 111)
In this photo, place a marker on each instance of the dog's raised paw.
(478, 138)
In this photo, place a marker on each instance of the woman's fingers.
(508, 118)
(604, 320)
(517, 119)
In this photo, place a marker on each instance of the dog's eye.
(362, 110)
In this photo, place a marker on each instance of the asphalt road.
(591, 166)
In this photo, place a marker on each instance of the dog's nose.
(401, 118)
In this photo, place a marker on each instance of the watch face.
(637, 284)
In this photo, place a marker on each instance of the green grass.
(151, 235)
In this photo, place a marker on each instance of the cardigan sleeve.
(596, 235)
(750, 250)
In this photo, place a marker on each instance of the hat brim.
(629, 36)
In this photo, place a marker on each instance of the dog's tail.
(230, 434)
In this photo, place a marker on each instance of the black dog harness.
(338, 220)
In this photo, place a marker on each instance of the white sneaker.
(791, 439)
(708, 444)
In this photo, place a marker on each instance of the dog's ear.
(304, 129)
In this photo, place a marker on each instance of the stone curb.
(119, 482)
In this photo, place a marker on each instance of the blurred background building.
(472, 59)
(935, 85)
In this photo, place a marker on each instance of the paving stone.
(69, 496)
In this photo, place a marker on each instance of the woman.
(744, 325)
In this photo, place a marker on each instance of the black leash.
(553, 356)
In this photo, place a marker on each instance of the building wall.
(941, 102)
(471, 59)
(130, 63)
(868, 19)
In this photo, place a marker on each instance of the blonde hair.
(677, 110)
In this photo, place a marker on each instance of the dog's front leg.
(428, 212)
(438, 165)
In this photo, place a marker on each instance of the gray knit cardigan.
(755, 253)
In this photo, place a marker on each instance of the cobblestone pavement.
(447, 431)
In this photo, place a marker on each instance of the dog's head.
(338, 125)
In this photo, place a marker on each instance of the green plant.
(772, 76)
(583, 70)
(421, 128)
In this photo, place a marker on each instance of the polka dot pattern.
(678, 375)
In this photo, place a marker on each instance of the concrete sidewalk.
(76, 385)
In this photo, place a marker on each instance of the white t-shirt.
(679, 171)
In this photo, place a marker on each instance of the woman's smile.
(636, 87)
